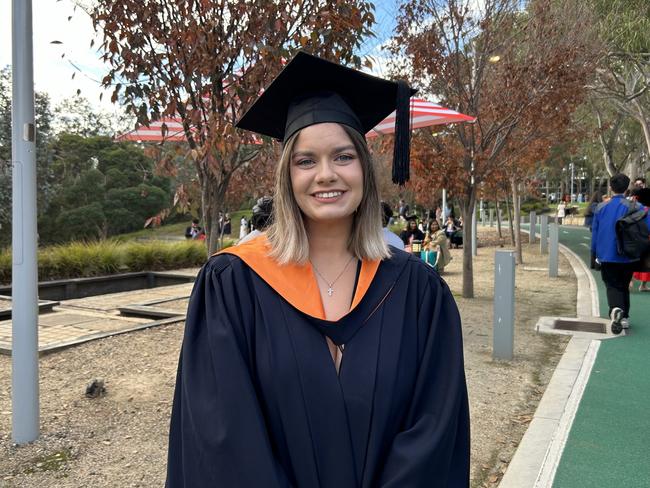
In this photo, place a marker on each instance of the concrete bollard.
(533, 228)
(504, 305)
(553, 237)
(543, 234)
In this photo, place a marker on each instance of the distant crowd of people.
(248, 229)
(431, 238)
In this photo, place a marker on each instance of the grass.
(49, 462)
(177, 231)
(85, 259)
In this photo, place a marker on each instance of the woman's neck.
(328, 240)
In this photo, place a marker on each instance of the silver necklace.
(330, 289)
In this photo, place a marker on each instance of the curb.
(535, 462)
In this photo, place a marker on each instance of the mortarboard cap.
(311, 90)
(411, 217)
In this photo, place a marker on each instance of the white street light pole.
(24, 286)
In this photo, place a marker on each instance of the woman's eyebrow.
(349, 147)
(298, 154)
(336, 150)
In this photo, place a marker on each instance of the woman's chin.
(330, 217)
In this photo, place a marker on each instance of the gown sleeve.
(432, 448)
(218, 435)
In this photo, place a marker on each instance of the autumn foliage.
(521, 72)
(206, 61)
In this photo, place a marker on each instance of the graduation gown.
(258, 401)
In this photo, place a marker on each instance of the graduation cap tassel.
(402, 149)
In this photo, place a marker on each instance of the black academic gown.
(259, 404)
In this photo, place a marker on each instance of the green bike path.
(609, 442)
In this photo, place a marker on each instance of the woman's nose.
(325, 172)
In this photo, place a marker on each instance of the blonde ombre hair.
(287, 235)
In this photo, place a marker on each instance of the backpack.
(632, 233)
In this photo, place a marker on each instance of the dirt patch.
(120, 440)
(504, 394)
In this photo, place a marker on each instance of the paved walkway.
(83, 319)
(609, 442)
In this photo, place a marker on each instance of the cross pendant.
(330, 291)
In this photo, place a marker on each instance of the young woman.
(411, 232)
(313, 357)
(435, 239)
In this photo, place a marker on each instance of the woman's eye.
(304, 162)
(345, 157)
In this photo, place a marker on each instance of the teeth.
(330, 194)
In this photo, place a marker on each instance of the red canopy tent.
(154, 132)
(423, 114)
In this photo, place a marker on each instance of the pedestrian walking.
(616, 268)
(243, 227)
(642, 195)
(561, 212)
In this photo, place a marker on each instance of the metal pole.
(474, 230)
(24, 289)
(533, 228)
(554, 248)
(572, 179)
(482, 214)
(543, 234)
(504, 305)
(444, 206)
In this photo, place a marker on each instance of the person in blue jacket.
(616, 269)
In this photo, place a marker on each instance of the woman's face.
(412, 224)
(326, 173)
(434, 227)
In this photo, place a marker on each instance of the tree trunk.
(213, 193)
(512, 232)
(640, 117)
(517, 227)
(468, 265)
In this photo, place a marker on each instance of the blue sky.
(52, 73)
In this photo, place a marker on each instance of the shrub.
(79, 259)
(534, 205)
(82, 223)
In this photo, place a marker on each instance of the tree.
(103, 188)
(621, 89)
(512, 68)
(75, 115)
(43, 122)
(207, 61)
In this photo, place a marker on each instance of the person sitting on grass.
(194, 230)
(411, 232)
(436, 240)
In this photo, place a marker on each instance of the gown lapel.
(337, 408)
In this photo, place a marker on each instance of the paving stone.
(60, 318)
